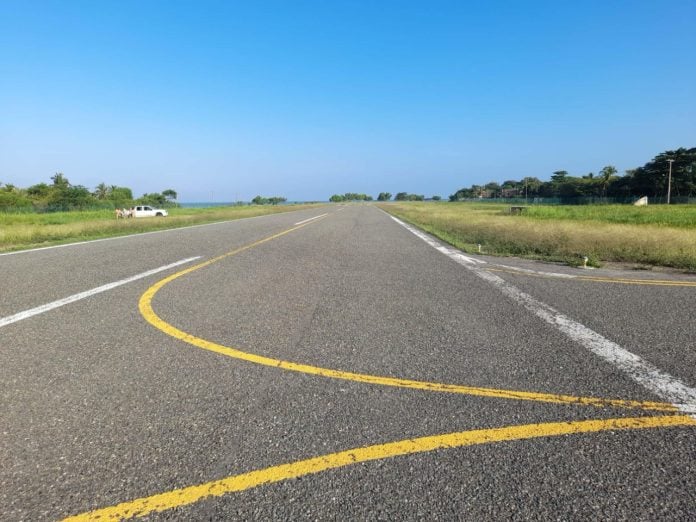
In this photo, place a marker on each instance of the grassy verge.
(648, 236)
(22, 231)
(675, 216)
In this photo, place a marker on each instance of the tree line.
(61, 195)
(383, 196)
(273, 200)
(649, 180)
(349, 196)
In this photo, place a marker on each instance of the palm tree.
(606, 176)
(60, 181)
(101, 191)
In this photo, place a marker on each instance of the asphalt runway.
(336, 363)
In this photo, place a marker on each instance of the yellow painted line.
(597, 279)
(189, 495)
(145, 305)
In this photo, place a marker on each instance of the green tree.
(405, 196)
(101, 191)
(336, 198)
(384, 196)
(60, 182)
(11, 199)
(493, 188)
(77, 197)
(532, 185)
(462, 193)
(651, 178)
(510, 187)
(120, 195)
(606, 176)
(154, 199)
(68, 197)
(169, 194)
(559, 176)
(354, 196)
(39, 191)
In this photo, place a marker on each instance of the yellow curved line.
(597, 279)
(146, 310)
(189, 495)
(192, 494)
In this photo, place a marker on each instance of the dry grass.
(28, 231)
(465, 225)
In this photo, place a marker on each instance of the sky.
(222, 101)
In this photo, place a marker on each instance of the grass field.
(679, 216)
(20, 231)
(657, 235)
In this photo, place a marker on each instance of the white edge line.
(452, 253)
(638, 369)
(538, 272)
(128, 236)
(310, 219)
(82, 295)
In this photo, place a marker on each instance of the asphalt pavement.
(332, 364)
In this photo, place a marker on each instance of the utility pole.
(669, 179)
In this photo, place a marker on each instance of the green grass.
(53, 218)
(681, 216)
(652, 236)
(25, 230)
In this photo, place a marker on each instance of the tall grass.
(53, 218)
(18, 231)
(681, 216)
(665, 236)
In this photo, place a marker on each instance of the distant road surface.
(338, 364)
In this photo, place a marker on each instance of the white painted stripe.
(538, 272)
(82, 295)
(310, 219)
(451, 252)
(139, 234)
(52, 247)
(662, 384)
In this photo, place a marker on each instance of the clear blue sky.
(304, 99)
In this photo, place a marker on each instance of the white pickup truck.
(147, 211)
